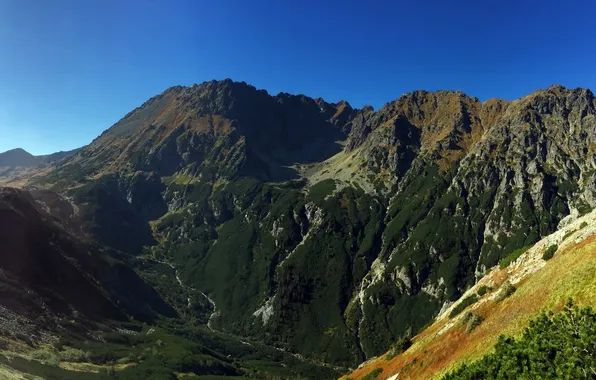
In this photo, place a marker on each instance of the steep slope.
(70, 310)
(536, 282)
(532, 166)
(216, 130)
(47, 271)
(430, 192)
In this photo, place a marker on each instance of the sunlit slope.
(539, 284)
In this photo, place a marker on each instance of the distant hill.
(21, 158)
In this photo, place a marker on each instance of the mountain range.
(324, 230)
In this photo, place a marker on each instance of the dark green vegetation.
(217, 181)
(463, 304)
(471, 321)
(506, 291)
(550, 252)
(511, 257)
(373, 374)
(483, 290)
(160, 354)
(555, 346)
(400, 345)
(87, 295)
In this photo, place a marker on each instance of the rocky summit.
(325, 230)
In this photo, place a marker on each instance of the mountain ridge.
(295, 236)
(19, 157)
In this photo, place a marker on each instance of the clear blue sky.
(70, 69)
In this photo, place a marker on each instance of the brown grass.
(548, 289)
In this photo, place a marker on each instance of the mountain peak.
(17, 157)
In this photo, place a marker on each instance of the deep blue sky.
(70, 69)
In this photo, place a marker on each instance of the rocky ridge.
(417, 203)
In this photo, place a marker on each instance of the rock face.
(218, 130)
(440, 186)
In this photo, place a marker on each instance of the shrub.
(512, 256)
(483, 290)
(373, 374)
(583, 225)
(401, 345)
(471, 320)
(506, 291)
(550, 252)
(553, 346)
(46, 356)
(70, 354)
(463, 304)
(569, 233)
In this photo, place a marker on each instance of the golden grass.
(570, 273)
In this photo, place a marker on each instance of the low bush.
(506, 291)
(46, 356)
(550, 252)
(463, 304)
(401, 345)
(471, 320)
(483, 290)
(557, 346)
(373, 374)
(512, 256)
(70, 354)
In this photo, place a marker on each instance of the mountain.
(17, 157)
(56, 287)
(20, 158)
(217, 129)
(44, 267)
(68, 305)
(17, 164)
(507, 301)
(326, 230)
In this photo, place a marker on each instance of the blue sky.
(69, 69)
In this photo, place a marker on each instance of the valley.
(295, 238)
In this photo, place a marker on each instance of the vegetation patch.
(401, 345)
(471, 320)
(506, 291)
(463, 304)
(483, 290)
(319, 191)
(373, 374)
(558, 346)
(512, 256)
(550, 252)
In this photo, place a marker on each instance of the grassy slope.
(540, 285)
